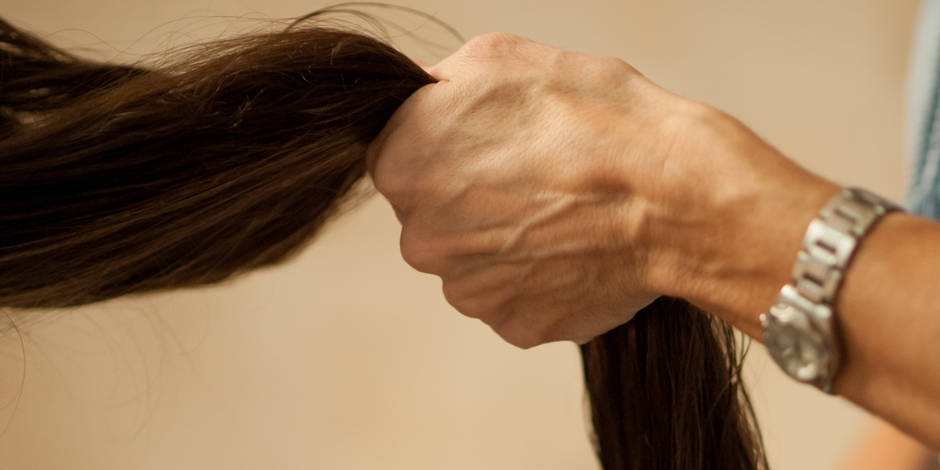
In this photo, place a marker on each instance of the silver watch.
(800, 330)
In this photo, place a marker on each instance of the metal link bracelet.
(831, 239)
(800, 330)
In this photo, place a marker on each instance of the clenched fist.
(556, 193)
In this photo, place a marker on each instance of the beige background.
(346, 358)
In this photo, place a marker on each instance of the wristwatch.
(801, 331)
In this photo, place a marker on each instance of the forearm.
(889, 312)
(541, 184)
(883, 446)
(740, 254)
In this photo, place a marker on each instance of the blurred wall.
(348, 359)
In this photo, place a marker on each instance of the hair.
(666, 393)
(126, 179)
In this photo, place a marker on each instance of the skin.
(556, 193)
(883, 447)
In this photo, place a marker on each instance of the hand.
(552, 191)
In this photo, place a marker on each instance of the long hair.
(666, 393)
(118, 179)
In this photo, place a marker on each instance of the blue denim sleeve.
(924, 114)
(923, 197)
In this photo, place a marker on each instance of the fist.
(524, 179)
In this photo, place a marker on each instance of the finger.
(441, 71)
(399, 213)
(450, 67)
(486, 48)
(453, 66)
(583, 340)
(383, 142)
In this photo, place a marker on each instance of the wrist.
(731, 250)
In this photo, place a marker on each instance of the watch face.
(796, 345)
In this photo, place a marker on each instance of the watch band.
(800, 329)
(831, 239)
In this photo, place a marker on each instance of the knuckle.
(491, 44)
(383, 186)
(452, 296)
(415, 251)
(615, 64)
(606, 68)
(467, 304)
(520, 338)
(387, 182)
(522, 334)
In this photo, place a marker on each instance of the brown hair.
(118, 179)
(666, 393)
